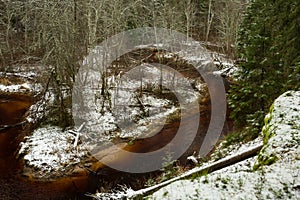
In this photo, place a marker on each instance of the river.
(13, 185)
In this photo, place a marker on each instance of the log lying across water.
(3, 127)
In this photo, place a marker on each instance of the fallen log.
(3, 127)
(222, 163)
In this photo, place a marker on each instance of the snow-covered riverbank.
(125, 112)
(279, 164)
(50, 151)
(272, 174)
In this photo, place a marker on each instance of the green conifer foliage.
(269, 49)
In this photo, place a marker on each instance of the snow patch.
(24, 87)
(280, 180)
(50, 150)
(124, 111)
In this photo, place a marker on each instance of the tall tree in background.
(269, 49)
(229, 14)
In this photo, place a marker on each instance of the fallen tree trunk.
(3, 127)
(222, 163)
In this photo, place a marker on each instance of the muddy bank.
(13, 185)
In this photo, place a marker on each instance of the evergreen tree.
(269, 49)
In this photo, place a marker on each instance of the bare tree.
(229, 16)
(210, 17)
(189, 12)
(58, 34)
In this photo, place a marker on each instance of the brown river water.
(14, 185)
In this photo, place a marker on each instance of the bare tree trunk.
(210, 16)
